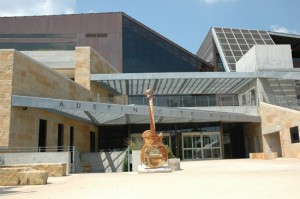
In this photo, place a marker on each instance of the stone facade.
(253, 138)
(6, 73)
(276, 123)
(21, 75)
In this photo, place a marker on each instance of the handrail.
(38, 149)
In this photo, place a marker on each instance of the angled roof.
(232, 43)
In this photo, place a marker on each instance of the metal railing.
(74, 153)
(37, 149)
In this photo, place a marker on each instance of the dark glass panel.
(244, 47)
(247, 36)
(232, 41)
(188, 101)
(256, 36)
(241, 41)
(240, 36)
(269, 41)
(144, 51)
(234, 47)
(260, 41)
(211, 100)
(229, 35)
(237, 53)
(202, 100)
(221, 35)
(225, 47)
(162, 101)
(175, 101)
(228, 53)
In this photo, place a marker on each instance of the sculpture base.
(162, 169)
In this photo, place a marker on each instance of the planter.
(136, 160)
(174, 164)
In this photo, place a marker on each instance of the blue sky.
(185, 22)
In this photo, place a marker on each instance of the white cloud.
(36, 7)
(210, 2)
(283, 29)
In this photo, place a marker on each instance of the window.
(60, 137)
(294, 134)
(253, 97)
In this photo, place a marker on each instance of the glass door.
(199, 145)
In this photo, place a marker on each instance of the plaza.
(232, 179)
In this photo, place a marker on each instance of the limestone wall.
(88, 61)
(21, 75)
(253, 138)
(6, 70)
(275, 119)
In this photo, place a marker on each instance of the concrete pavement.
(243, 178)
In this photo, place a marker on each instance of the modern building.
(79, 80)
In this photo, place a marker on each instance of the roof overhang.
(187, 83)
(103, 113)
(174, 83)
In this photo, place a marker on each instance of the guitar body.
(153, 154)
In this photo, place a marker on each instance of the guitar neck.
(152, 123)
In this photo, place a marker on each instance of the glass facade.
(145, 51)
(186, 100)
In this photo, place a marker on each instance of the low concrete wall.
(104, 161)
(32, 158)
(263, 156)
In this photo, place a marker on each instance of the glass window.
(175, 101)
(136, 100)
(188, 101)
(294, 131)
(225, 47)
(253, 97)
(243, 100)
(202, 100)
(187, 142)
(144, 51)
(212, 100)
(162, 101)
(207, 153)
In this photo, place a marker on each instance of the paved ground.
(198, 179)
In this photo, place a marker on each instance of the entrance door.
(199, 145)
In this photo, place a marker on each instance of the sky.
(185, 22)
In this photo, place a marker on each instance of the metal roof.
(174, 83)
(187, 83)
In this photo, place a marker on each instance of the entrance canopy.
(183, 83)
(103, 113)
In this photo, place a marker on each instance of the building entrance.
(201, 145)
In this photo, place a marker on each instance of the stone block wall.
(6, 72)
(253, 138)
(88, 61)
(280, 120)
(21, 75)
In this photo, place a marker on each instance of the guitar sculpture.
(154, 153)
